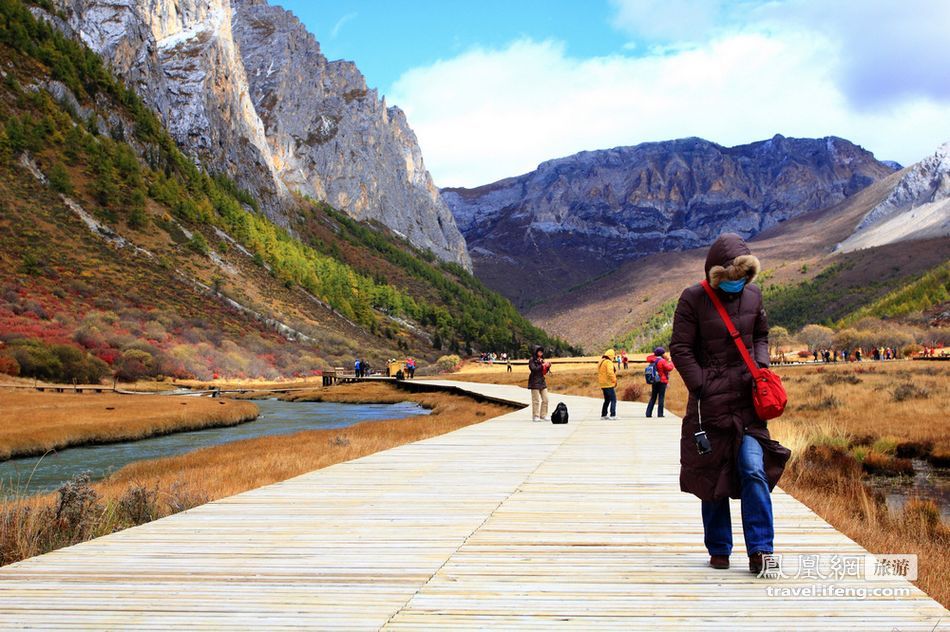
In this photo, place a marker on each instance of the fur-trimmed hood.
(729, 259)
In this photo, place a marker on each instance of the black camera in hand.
(702, 442)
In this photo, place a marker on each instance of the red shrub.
(109, 356)
(9, 366)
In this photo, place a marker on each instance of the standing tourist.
(658, 388)
(537, 369)
(725, 449)
(607, 380)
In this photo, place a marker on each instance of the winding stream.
(34, 475)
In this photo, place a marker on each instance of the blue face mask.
(732, 287)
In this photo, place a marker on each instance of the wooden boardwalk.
(505, 524)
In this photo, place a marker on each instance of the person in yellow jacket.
(607, 379)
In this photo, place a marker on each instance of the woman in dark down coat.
(538, 386)
(745, 462)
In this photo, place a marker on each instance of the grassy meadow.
(843, 422)
(147, 490)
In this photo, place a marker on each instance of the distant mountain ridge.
(243, 87)
(830, 264)
(596, 209)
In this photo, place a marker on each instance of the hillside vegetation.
(928, 291)
(655, 332)
(857, 311)
(118, 248)
(881, 283)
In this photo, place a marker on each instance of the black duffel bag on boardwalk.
(559, 416)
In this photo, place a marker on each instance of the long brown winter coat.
(713, 370)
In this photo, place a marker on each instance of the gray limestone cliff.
(180, 57)
(332, 137)
(243, 87)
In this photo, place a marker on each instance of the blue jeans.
(757, 525)
(657, 395)
(610, 399)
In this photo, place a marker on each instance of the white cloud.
(888, 51)
(489, 114)
(340, 23)
(666, 20)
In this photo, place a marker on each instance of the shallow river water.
(928, 482)
(36, 475)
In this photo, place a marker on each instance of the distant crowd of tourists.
(854, 355)
(491, 358)
(362, 368)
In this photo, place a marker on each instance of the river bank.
(47, 473)
(32, 424)
(147, 490)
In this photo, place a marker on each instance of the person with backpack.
(725, 448)
(660, 375)
(607, 380)
(537, 369)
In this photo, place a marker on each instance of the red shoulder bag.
(768, 394)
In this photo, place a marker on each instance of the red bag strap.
(736, 336)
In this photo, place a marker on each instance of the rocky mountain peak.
(181, 58)
(243, 86)
(597, 209)
(917, 207)
(926, 182)
(334, 138)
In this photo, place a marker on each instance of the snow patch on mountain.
(917, 208)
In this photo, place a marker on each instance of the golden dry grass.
(140, 386)
(837, 405)
(860, 400)
(255, 383)
(35, 423)
(835, 408)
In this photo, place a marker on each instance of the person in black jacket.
(537, 384)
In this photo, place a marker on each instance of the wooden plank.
(505, 524)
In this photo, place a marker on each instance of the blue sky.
(493, 88)
(385, 39)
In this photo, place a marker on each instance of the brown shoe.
(719, 562)
(756, 562)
